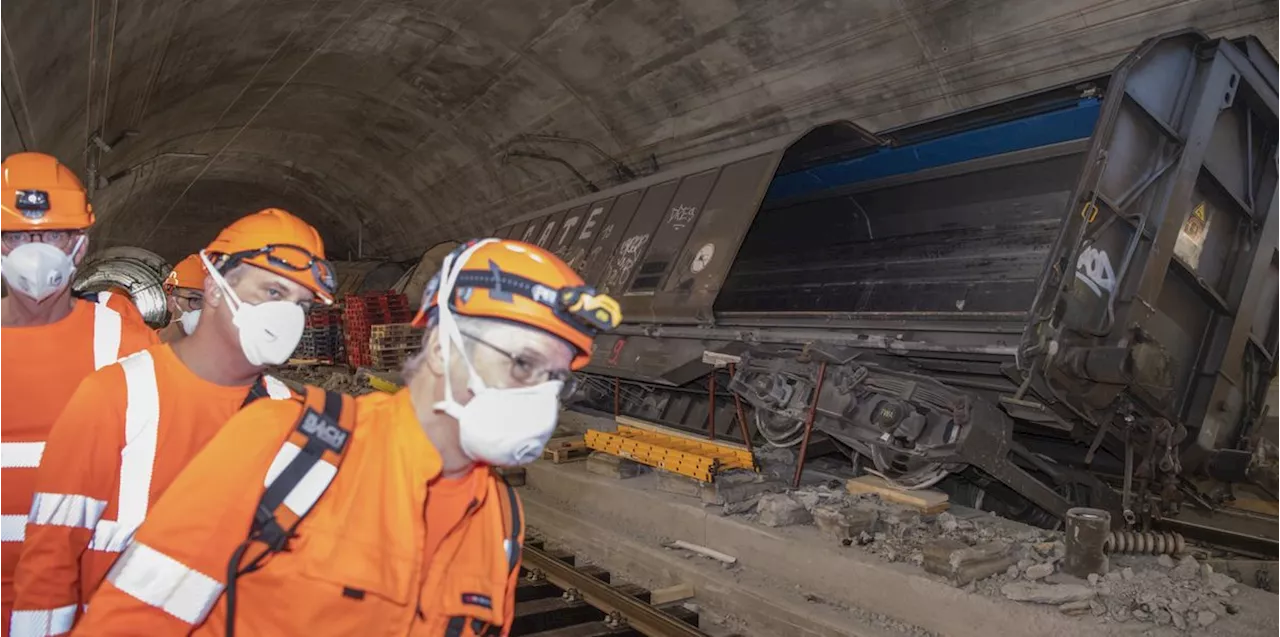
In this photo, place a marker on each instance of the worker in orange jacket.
(131, 427)
(377, 515)
(184, 293)
(51, 339)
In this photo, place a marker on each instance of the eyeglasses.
(531, 372)
(294, 258)
(60, 239)
(194, 301)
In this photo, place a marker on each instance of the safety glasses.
(291, 257)
(60, 239)
(528, 372)
(193, 301)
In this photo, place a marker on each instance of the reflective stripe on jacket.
(43, 365)
(123, 437)
(356, 565)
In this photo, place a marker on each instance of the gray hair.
(466, 324)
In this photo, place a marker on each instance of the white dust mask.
(38, 270)
(269, 332)
(500, 427)
(188, 321)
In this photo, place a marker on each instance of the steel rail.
(638, 615)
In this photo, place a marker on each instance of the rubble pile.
(992, 556)
(325, 377)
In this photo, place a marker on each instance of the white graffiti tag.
(627, 255)
(681, 216)
(1093, 268)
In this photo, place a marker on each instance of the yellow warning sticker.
(1198, 212)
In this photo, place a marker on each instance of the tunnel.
(849, 352)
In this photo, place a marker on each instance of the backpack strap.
(302, 471)
(309, 459)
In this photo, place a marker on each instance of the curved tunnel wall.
(397, 124)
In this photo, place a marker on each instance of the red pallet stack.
(361, 312)
(322, 339)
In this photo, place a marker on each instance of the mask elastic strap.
(449, 332)
(236, 303)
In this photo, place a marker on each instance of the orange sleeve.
(76, 478)
(135, 334)
(173, 574)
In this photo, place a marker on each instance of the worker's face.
(504, 356)
(253, 285)
(38, 265)
(64, 240)
(183, 300)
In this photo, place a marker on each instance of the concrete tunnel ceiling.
(396, 124)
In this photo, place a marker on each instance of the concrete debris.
(739, 486)
(989, 556)
(1187, 569)
(947, 522)
(844, 523)
(963, 564)
(1056, 594)
(780, 509)
(741, 508)
(1075, 608)
(1039, 571)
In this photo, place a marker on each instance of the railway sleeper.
(546, 610)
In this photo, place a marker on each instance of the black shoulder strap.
(259, 390)
(320, 437)
(91, 297)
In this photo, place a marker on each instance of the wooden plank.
(926, 500)
(567, 449)
(677, 593)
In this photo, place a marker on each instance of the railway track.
(557, 598)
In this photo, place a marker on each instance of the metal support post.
(808, 424)
(711, 405)
(742, 418)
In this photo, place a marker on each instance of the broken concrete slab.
(1056, 594)
(1038, 571)
(843, 522)
(1187, 569)
(779, 509)
(961, 563)
(678, 484)
(739, 486)
(612, 466)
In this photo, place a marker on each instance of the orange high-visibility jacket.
(359, 564)
(42, 366)
(122, 304)
(124, 436)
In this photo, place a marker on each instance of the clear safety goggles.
(294, 258)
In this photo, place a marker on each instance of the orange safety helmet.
(39, 193)
(189, 273)
(280, 243)
(515, 281)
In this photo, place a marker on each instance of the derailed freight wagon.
(1064, 299)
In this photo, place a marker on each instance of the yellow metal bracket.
(677, 453)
